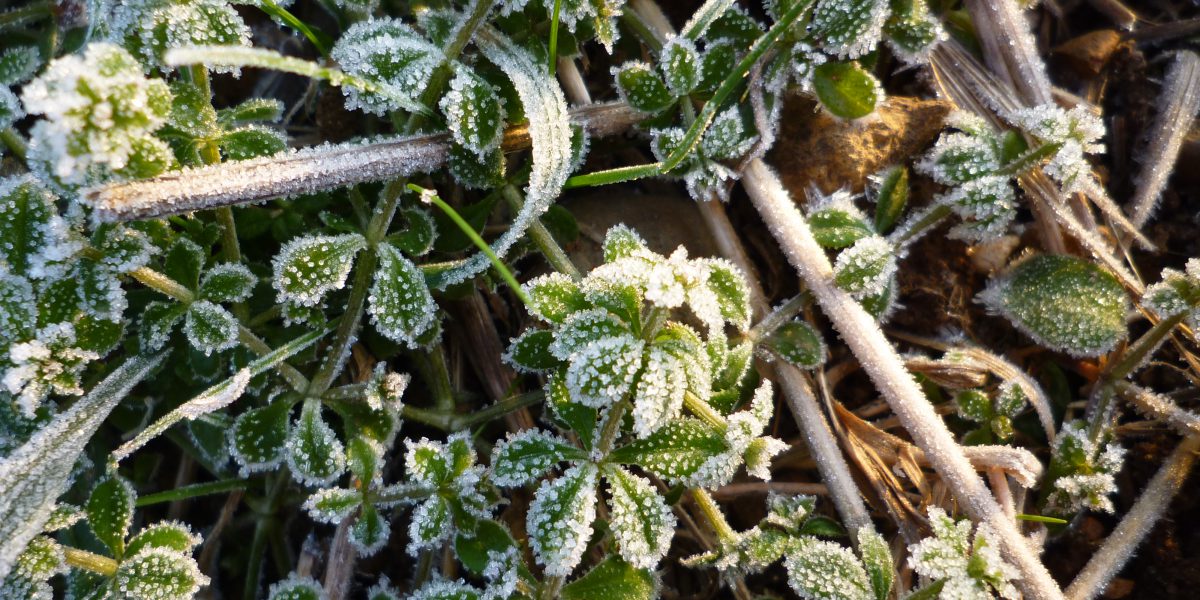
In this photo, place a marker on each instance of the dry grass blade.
(1158, 406)
(1179, 104)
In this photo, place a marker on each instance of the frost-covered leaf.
(974, 405)
(620, 242)
(603, 371)
(819, 570)
(441, 589)
(642, 88)
(18, 308)
(839, 225)
(640, 519)
(309, 267)
(390, 54)
(258, 437)
(1062, 302)
(866, 268)
(987, 206)
(798, 343)
(315, 455)
(296, 587)
(152, 28)
(400, 304)
(891, 196)
(370, 531)
(18, 64)
(659, 393)
(64, 516)
(10, 108)
(474, 111)
(254, 109)
(252, 141)
(52, 362)
(849, 28)
(728, 284)
(474, 170)
(613, 579)
(971, 567)
(573, 415)
(30, 228)
(110, 512)
(912, 30)
(553, 297)
(474, 548)
(34, 475)
(526, 456)
(845, 89)
(1178, 292)
(227, 282)
(530, 351)
(727, 138)
(1082, 472)
(680, 64)
(675, 451)
(158, 573)
(169, 535)
(877, 558)
(560, 518)
(430, 525)
(331, 505)
(210, 328)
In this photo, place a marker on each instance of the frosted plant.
(297, 587)
(994, 412)
(970, 566)
(389, 53)
(150, 28)
(597, 16)
(1082, 472)
(1177, 295)
(1073, 133)
(449, 486)
(99, 117)
(49, 363)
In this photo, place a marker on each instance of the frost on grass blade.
(1062, 302)
(34, 475)
(474, 111)
(560, 519)
(603, 371)
(820, 570)
(526, 456)
(549, 133)
(210, 328)
(849, 28)
(641, 521)
(400, 304)
(309, 267)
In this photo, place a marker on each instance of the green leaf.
(26, 213)
(530, 351)
(18, 64)
(622, 242)
(479, 171)
(603, 371)
(585, 327)
(418, 237)
(332, 505)
(728, 283)
(848, 28)
(392, 57)
(252, 141)
(296, 587)
(640, 519)
(309, 267)
(577, 417)
(560, 518)
(431, 523)
(929, 592)
(660, 391)
(110, 512)
(642, 88)
(680, 65)
(798, 343)
(370, 531)
(227, 282)
(891, 198)
(836, 228)
(866, 268)
(401, 306)
(474, 111)
(169, 535)
(613, 579)
(974, 405)
(675, 451)
(528, 455)
(158, 573)
(472, 549)
(553, 297)
(254, 109)
(877, 558)
(825, 570)
(210, 328)
(1062, 302)
(719, 60)
(912, 29)
(314, 453)
(183, 262)
(258, 436)
(846, 90)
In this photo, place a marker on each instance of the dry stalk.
(1158, 406)
(885, 367)
(1179, 104)
(1149, 508)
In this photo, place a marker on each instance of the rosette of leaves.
(705, 171)
(154, 563)
(308, 268)
(100, 114)
(964, 566)
(1082, 471)
(994, 412)
(238, 133)
(60, 308)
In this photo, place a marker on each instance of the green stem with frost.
(90, 561)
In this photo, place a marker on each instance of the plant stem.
(193, 491)
(16, 144)
(1137, 353)
(432, 198)
(702, 409)
(782, 314)
(542, 237)
(612, 426)
(90, 561)
(439, 380)
(554, 35)
(712, 512)
(17, 16)
(918, 224)
(884, 366)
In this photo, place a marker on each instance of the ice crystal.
(971, 566)
(100, 114)
(603, 371)
(560, 518)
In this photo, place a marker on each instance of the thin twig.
(1179, 104)
(885, 367)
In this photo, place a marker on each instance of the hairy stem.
(542, 237)
(90, 561)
